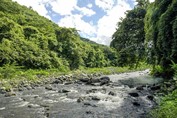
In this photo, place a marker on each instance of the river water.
(127, 95)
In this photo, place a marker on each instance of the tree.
(161, 40)
(129, 36)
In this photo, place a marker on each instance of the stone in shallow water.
(111, 93)
(64, 91)
(95, 98)
(9, 94)
(150, 97)
(136, 104)
(48, 88)
(134, 94)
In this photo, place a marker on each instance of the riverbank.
(123, 95)
(14, 77)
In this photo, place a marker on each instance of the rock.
(48, 88)
(9, 94)
(150, 97)
(64, 91)
(91, 91)
(33, 105)
(68, 83)
(36, 96)
(89, 112)
(136, 104)
(111, 93)
(2, 90)
(95, 98)
(87, 104)
(155, 87)
(104, 80)
(80, 99)
(95, 84)
(134, 94)
(20, 89)
(85, 80)
(57, 82)
(95, 80)
(139, 88)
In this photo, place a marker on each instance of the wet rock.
(64, 91)
(89, 112)
(136, 104)
(80, 99)
(95, 80)
(104, 80)
(150, 97)
(91, 91)
(134, 94)
(111, 93)
(48, 88)
(87, 104)
(33, 106)
(9, 94)
(57, 81)
(155, 87)
(95, 84)
(68, 83)
(140, 88)
(85, 80)
(20, 89)
(95, 98)
(36, 96)
(2, 90)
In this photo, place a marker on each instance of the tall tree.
(129, 36)
(161, 28)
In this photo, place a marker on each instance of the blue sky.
(95, 19)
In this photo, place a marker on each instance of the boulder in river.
(111, 93)
(85, 80)
(9, 94)
(64, 91)
(150, 97)
(95, 98)
(48, 88)
(104, 80)
(155, 87)
(134, 94)
(136, 104)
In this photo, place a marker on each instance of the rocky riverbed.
(126, 95)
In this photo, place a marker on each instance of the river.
(126, 95)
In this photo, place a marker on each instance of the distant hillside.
(30, 40)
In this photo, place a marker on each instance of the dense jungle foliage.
(32, 41)
(149, 32)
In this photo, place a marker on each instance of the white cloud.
(107, 24)
(100, 32)
(63, 7)
(36, 5)
(75, 21)
(105, 4)
(86, 11)
(89, 5)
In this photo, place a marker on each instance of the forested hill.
(32, 41)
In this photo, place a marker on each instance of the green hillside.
(32, 41)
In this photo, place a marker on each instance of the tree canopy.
(32, 41)
(129, 37)
(161, 33)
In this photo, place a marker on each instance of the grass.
(167, 107)
(11, 76)
(168, 103)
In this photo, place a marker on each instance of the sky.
(94, 19)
